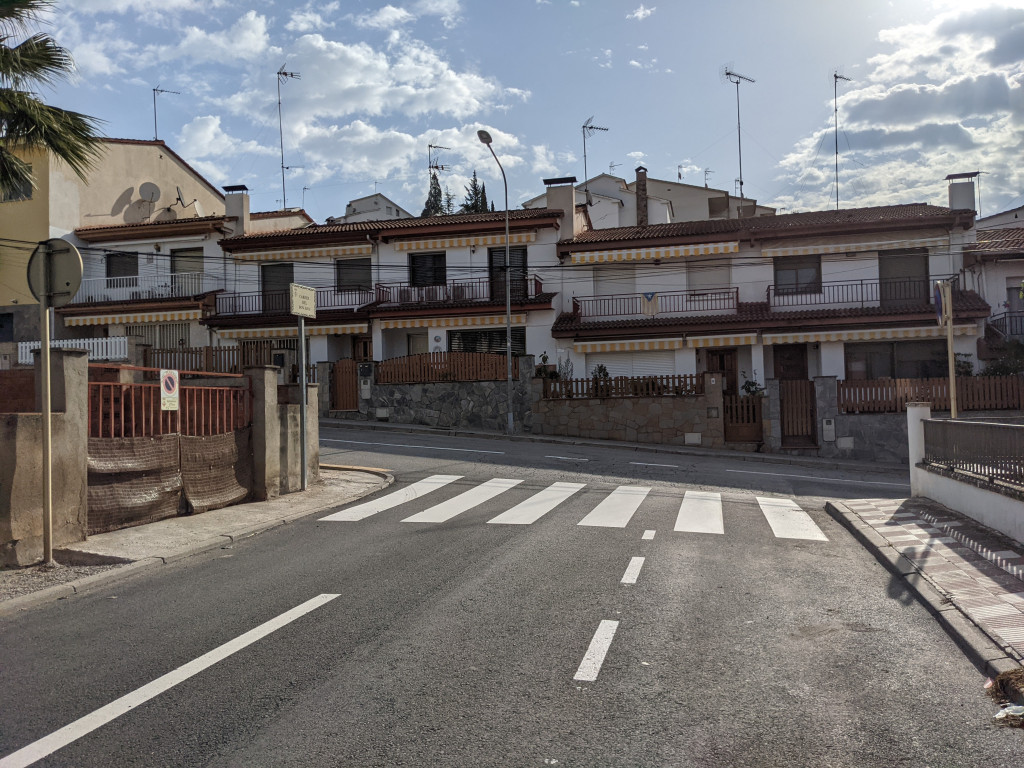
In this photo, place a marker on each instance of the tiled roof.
(776, 225)
(1009, 240)
(142, 225)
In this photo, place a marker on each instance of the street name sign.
(303, 300)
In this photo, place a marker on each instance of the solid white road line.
(446, 510)
(617, 508)
(648, 535)
(788, 521)
(410, 492)
(632, 570)
(700, 512)
(47, 745)
(647, 464)
(594, 657)
(823, 479)
(538, 505)
(567, 458)
(403, 445)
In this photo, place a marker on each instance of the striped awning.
(450, 322)
(443, 243)
(652, 254)
(134, 318)
(813, 249)
(868, 334)
(299, 254)
(735, 340)
(627, 345)
(293, 331)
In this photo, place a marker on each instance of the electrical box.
(828, 430)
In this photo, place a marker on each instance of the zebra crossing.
(699, 511)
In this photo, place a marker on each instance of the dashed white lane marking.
(590, 667)
(823, 479)
(648, 464)
(538, 505)
(410, 492)
(567, 458)
(403, 445)
(648, 535)
(446, 510)
(700, 512)
(788, 521)
(47, 745)
(617, 508)
(632, 570)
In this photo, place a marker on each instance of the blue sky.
(936, 88)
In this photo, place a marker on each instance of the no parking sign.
(168, 390)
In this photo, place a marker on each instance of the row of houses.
(647, 277)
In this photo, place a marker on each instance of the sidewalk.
(144, 546)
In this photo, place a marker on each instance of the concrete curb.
(982, 650)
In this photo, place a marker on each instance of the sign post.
(54, 276)
(169, 390)
(303, 305)
(944, 311)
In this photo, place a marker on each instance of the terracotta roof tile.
(1010, 240)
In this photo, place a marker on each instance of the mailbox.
(828, 430)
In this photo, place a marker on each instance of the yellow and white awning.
(444, 243)
(653, 254)
(456, 321)
(626, 345)
(293, 331)
(813, 249)
(734, 340)
(301, 254)
(134, 318)
(868, 334)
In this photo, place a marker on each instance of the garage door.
(653, 363)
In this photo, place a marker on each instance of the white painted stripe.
(617, 508)
(823, 479)
(47, 745)
(788, 521)
(446, 510)
(594, 657)
(538, 505)
(632, 570)
(401, 496)
(403, 445)
(648, 535)
(645, 464)
(567, 458)
(700, 512)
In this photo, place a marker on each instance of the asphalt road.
(462, 642)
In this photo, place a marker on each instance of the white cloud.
(388, 17)
(247, 39)
(604, 59)
(641, 13)
(310, 20)
(204, 137)
(449, 11)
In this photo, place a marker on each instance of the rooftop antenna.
(281, 77)
(737, 78)
(679, 172)
(432, 163)
(158, 89)
(836, 77)
(304, 189)
(588, 130)
(707, 173)
(612, 167)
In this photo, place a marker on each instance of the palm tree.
(25, 121)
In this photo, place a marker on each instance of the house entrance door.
(724, 362)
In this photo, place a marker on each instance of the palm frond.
(17, 16)
(25, 121)
(38, 59)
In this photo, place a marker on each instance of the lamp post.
(485, 138)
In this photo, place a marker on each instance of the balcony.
(856, 294)
(278, 302)
(97, 290)
(1010, 325)
(482, 290)
(110, 348)
(631, 306)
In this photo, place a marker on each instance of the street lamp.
(485, 138)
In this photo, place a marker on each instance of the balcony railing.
(1010, 325)
(717, 301)
(110, 348)
(846, 294)
(277, 302)
(479, 289)
(146, 287)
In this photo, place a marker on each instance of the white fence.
(113, 348)
(142, 287)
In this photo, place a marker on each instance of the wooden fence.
(974, 393)
(624, 386)
(210, 359)
(445, 366)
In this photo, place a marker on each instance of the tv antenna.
(432, 159)
(282, 75)
(707, 173)
(158, 89)
(588, 130)
(612, 167)
(679, 172)
(736, 78)
(836, 77)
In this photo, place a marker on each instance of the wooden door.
(790, 362)
(725, 363)
(798, 413)
(345, 386)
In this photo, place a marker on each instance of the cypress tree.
(433, 206)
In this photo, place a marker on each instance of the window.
(517, 268)
(161, 336)
(122, 270)
(6, 326)
(896, 360)
(353, 275)
(492, 340)
(427, 269)
(22, 192)
(798, 274)
(187, 271)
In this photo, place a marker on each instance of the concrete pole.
(917, 414)
(302, 399)
(44, 357)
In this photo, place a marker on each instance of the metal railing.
(277, 302)
(993, 452)
(111, 348)
(625, 386)
(716, 301)
(145, 287)
(134, 410)
(1010, 325)
(897, 292)
(478, 289)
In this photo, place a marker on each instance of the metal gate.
(345, 386)
(743, 415)
(797, 412)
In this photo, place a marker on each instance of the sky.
(935, 87)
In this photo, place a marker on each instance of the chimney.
(961, 190)
(236, 205)
(641, 196)
(561, 194)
